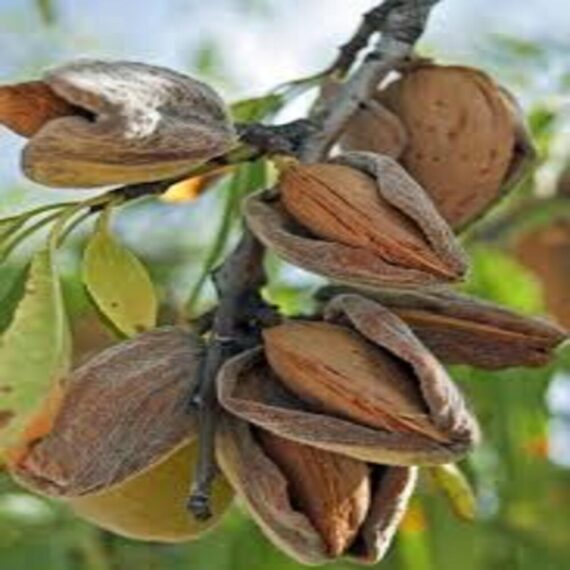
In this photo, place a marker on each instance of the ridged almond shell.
(342, 204)
(367, 223)
(461, 136)
(374, 419)
(333, 491)
(280, 495)
(336, 370)
(26, 107)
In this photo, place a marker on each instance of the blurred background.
(521, 258)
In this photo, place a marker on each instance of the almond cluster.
(325, 422)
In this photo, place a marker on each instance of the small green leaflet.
(118, 282)
(10, 225)
(456, 488)
(34, 350)
(256, 108)
(245, 179)
(47, 11)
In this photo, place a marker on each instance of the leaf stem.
(220, 242)
(17, 239)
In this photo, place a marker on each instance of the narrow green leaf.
(256, 108)
(456, 488)
(10, 225)
(118, 283)
(488, 279)
(34, 350)
(209, 59)
(47, 11)
(246, 179)
(7, 223)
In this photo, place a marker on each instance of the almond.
(342, 204)
(462, 135)
(116, 439)
(333, 491)
(98, 123)
(336, 370)
(375, 129)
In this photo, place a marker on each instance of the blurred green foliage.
(47, 11)
(522, 487)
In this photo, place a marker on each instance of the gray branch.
(400, 30)
(241, 275)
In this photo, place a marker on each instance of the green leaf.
(456, 488)
(256, 108)
(12, 283)
(519, 48)
(245, 179)
(118, 283)
(34, 350)
(291, 300)
(499, 277)
(10, 225)
(541, 120)
(208, 59)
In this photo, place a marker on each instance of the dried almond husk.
(274, 502)
(546, 252)
(119, 427)
(96, 123)
(460, 329)
(361, 220)
(441, 432)
(466, 139)
(26, 107)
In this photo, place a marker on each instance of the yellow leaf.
(457, 489)
(184, 191)
(119, 283)
(192, 188)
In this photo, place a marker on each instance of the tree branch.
(255, 140)
(400, 29)
(236, 323)
(372, 22)
(236, 326)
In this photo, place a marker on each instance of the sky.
(256, 44)
(262, 42)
